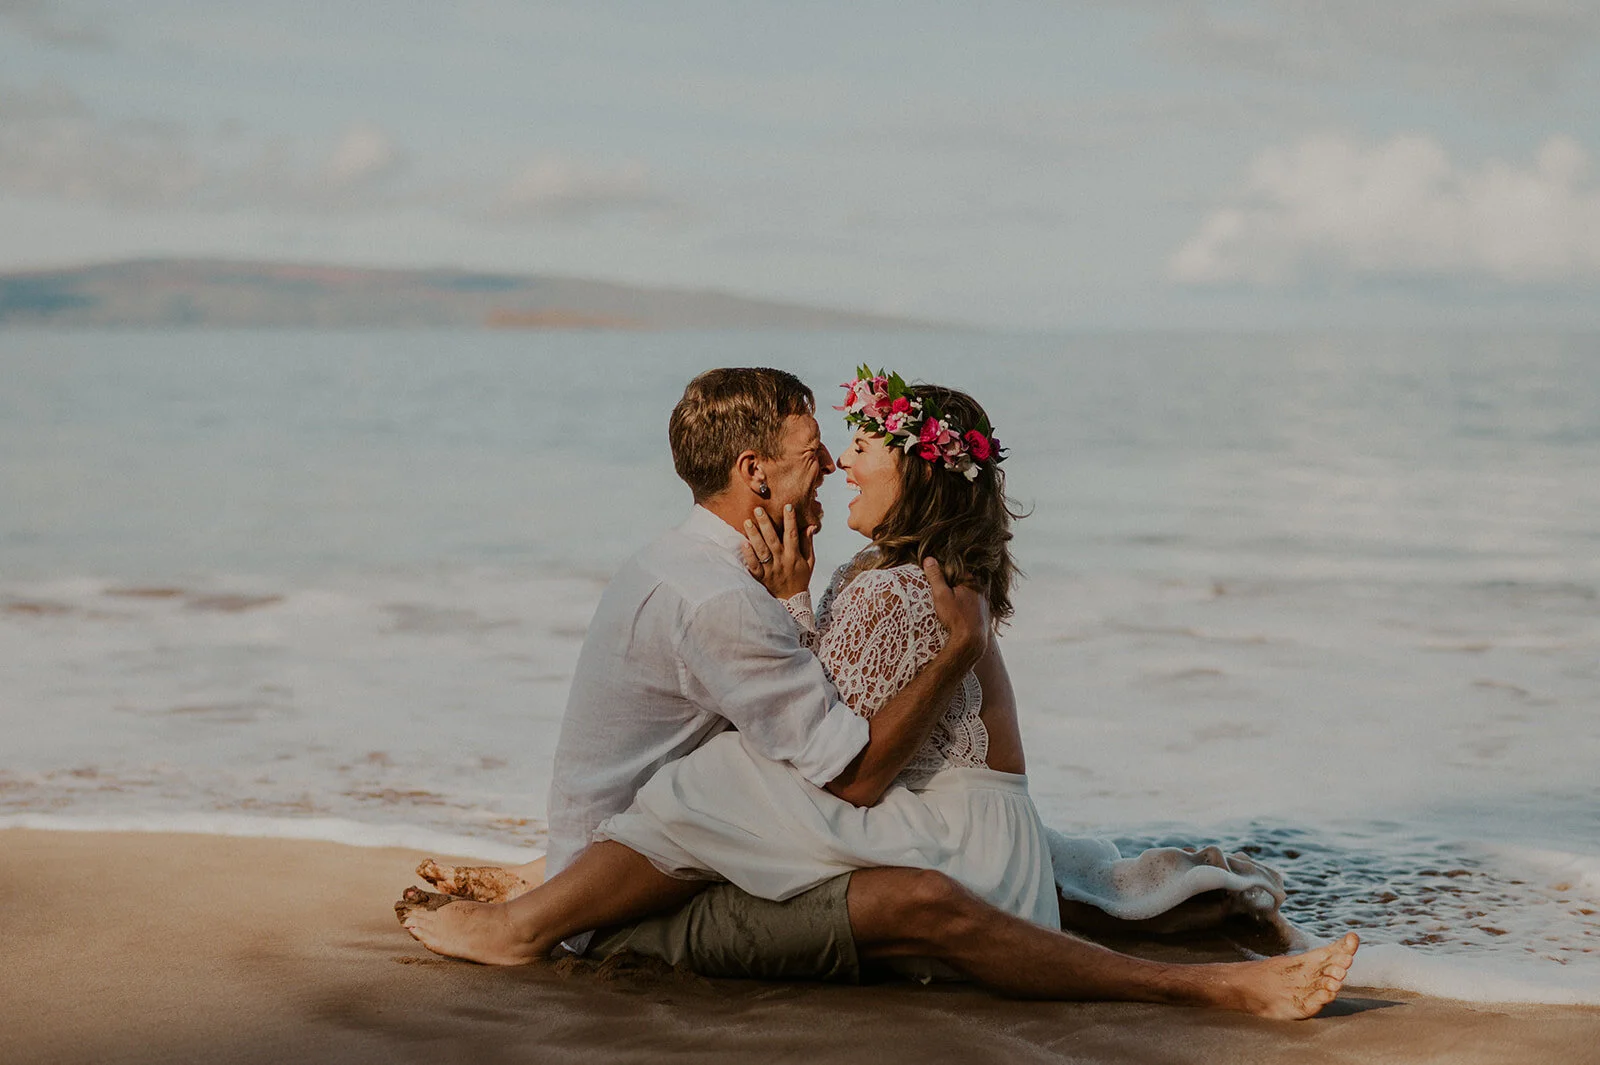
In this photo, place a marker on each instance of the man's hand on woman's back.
(964, 610)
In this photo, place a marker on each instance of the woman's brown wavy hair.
(964, 524)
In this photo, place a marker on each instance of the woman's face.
(872, 467)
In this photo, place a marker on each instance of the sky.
(1078, 164)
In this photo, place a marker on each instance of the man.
(685, 643)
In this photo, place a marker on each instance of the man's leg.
(900, 913)
(607, 885)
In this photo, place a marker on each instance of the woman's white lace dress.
(725, 812)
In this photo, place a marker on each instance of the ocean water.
(1334, 599)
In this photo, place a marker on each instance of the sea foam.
(1389, 965)
(320, 829)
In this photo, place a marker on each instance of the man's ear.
(747, 471)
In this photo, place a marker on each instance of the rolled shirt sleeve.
(742, 661)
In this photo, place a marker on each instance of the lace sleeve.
(805, 622)
(809, 624)
(879, 633)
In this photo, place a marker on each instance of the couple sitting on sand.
(868, 803)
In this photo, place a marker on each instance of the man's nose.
(828, 465)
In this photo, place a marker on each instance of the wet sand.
(134, 947)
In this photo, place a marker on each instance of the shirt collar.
(707, 526)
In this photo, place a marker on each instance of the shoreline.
(143, 947)
(1468, 979)
(361, 835)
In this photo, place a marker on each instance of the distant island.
(206, 293)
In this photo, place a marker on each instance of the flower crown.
(883, 405)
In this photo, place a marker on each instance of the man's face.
(797, 472)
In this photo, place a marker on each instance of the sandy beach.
(132, 947)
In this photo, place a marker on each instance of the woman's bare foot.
(1289, 988)
(482, 883)
(459, 928)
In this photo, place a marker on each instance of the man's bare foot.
(459, 928)
(1289, 988)
(480, 883)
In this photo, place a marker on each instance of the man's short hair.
(726, 412)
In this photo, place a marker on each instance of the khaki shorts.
(725, 932)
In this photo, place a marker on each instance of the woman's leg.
(607, 885)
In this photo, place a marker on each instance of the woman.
(926, 465)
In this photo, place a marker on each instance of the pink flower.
(895, 422)
(901, 406)
(978, 444)
(928, 451)
(930, 431)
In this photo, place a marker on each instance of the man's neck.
(733, 511)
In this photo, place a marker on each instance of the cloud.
(567, 188)
(51, 147)
(361, 170)
(44, 22)
(1487, 47)
(51, 100)
(365, 155)
(54, 147)
(1332, 205)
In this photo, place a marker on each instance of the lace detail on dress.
(842, 576)
(878, 630)
(959, 738)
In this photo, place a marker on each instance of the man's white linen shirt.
(684, 644)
